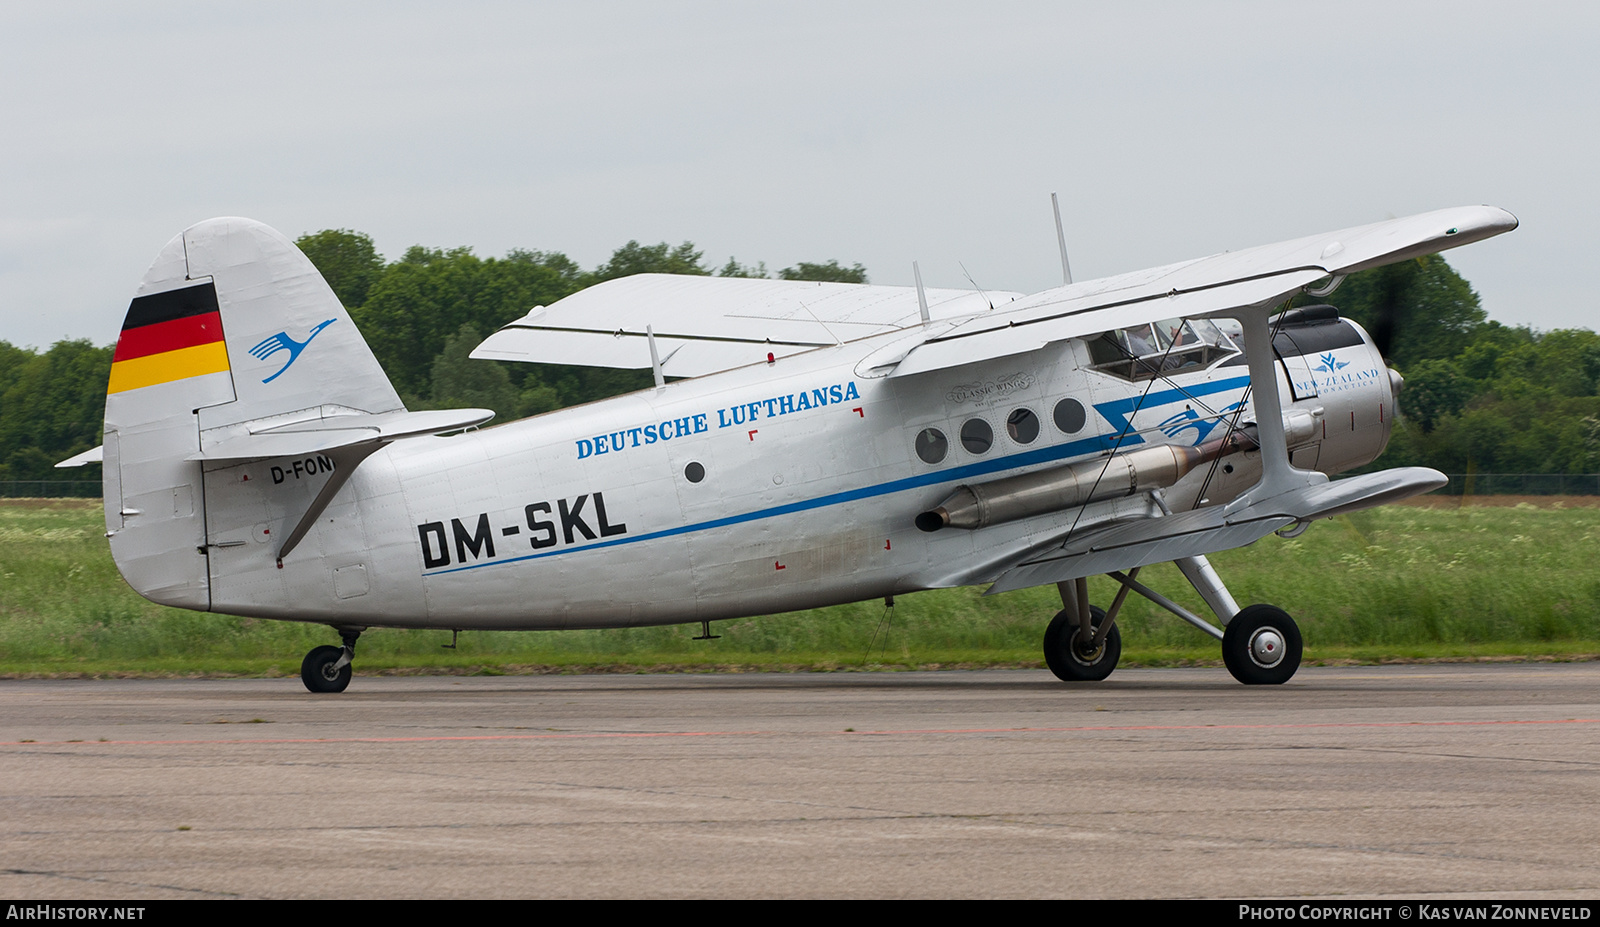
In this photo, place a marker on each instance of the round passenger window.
(694, 472)
(1022, 425)
(976, 436)
(931, 445)
(1069, 416)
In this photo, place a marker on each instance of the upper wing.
(1216, 285)
(1246, 283)
(705, 324)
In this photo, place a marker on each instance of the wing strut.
(1278, 475)
(655, 358)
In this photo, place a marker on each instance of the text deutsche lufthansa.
(744, 413)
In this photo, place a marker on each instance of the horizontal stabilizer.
(309, 436)
(1143, 541)
(92, 455)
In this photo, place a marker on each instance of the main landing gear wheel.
(1070, 659)
(318, 671)
(1261, 646)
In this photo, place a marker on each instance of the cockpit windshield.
(1143, 351)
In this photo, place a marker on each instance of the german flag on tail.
(169, 336)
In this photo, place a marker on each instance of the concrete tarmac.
(1447, 781)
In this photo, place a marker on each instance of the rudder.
(231, 329)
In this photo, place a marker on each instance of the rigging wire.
(1238, 414)
(1126, 428)
(886, 619)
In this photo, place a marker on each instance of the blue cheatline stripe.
(1119, 411)
(1025, 459)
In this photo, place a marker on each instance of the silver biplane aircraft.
(820, 443)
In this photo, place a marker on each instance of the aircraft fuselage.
(764, 489)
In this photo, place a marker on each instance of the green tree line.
(1478, 396)
(422, 315)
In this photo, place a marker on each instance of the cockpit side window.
(1144, 351)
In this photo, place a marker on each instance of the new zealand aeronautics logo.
(1329, 363)
(1190, 420)
(282, 342)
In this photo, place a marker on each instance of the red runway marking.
(656, 734)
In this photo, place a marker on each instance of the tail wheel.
(1070, 659)
(1261, 646)
(318, 673)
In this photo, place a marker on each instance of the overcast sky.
(878, 133)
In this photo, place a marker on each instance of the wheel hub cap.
(1266, 648)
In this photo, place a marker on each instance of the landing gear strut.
(1079, 650)
(327, 669)
(1261, 644)
(1074, 659)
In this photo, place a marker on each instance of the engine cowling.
(1336, 373)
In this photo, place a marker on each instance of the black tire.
(317, 672)
(1262, 646)
(1067, 661)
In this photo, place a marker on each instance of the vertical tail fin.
(231, 329)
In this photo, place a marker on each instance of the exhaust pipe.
(1086, 481)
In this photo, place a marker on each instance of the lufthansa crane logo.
(282, 342)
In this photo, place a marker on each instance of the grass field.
(1496, 578)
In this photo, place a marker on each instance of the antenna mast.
(1061, 239)
(922, 297)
